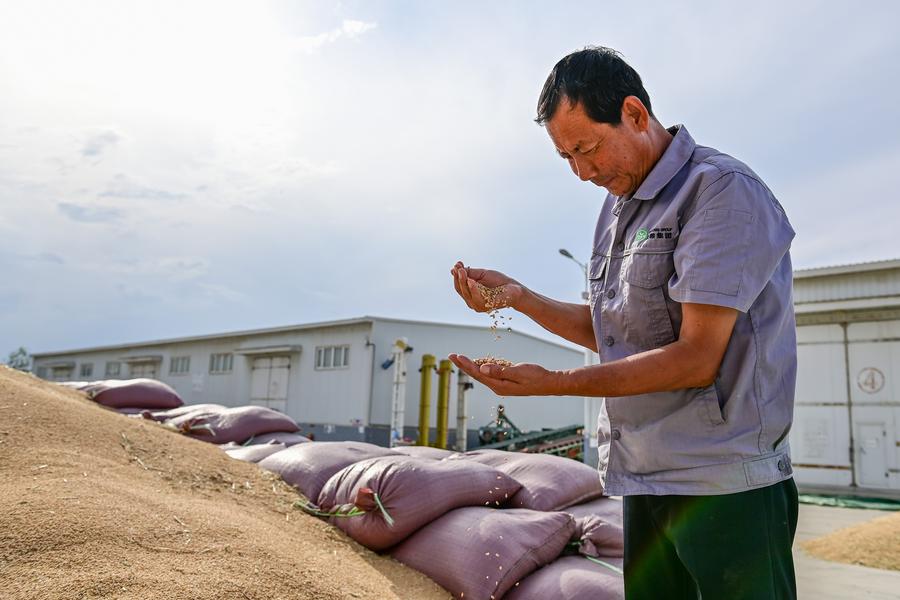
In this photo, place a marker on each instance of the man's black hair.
(599, 79)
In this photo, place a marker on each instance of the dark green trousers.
(730, 547)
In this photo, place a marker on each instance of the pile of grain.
(492, 360)
(94, 504)
(875, 544)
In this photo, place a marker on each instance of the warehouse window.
(179, 365)
(221, 363)
(113, 369)
(61, 373)
(332, 357)
(87, 370)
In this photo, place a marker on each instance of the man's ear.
(635, 113)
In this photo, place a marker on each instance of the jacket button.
(610, 293)
(781, 465)
(616, 434)
(620, 246)
(609, 340)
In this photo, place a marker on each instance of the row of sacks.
(483, 524)
(235, 429)
(500, 524)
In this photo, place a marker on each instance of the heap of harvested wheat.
(875, 544)
(93, 504)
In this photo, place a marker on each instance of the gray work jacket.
(701, 228)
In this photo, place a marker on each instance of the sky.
(180, 168)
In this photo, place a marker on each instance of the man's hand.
(467, 280)
(523, 379)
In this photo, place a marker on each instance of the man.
(692, 315)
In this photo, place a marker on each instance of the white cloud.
(349, 29)
(89, 214)
(97, 143)
(123, 186)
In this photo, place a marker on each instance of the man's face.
(614, 157)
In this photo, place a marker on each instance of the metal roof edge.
(467, 326)
(208, 336)
(283, 329)
(876, 265)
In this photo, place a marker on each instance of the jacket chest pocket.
(596, 272)
(645, 278)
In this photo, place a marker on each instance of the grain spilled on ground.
(875, 544)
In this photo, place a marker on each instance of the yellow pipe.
(428, 364)
(443, 406)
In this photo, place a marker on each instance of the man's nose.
(583, 169)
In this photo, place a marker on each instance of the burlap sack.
(134, 393)
(235, 424)
(282, 437)
(480, 553)
(165, 415)
(598, 527)
(309, 466)
(254, 453)
(548, 482)
(424, 452)
(572, 578)
(412, 491)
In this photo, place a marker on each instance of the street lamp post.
(589, 403)
(585, 295)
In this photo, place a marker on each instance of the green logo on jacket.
(641, 235)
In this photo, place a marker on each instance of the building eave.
(878, 265)
(207, 337)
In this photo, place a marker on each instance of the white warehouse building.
(331, 377)
(847, 416)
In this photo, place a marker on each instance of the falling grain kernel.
(493, 302)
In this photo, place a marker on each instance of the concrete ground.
(825, 580)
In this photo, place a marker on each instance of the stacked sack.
(485, 524)
(129, 396)
(248, 433)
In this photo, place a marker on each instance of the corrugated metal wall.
(846, 286)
